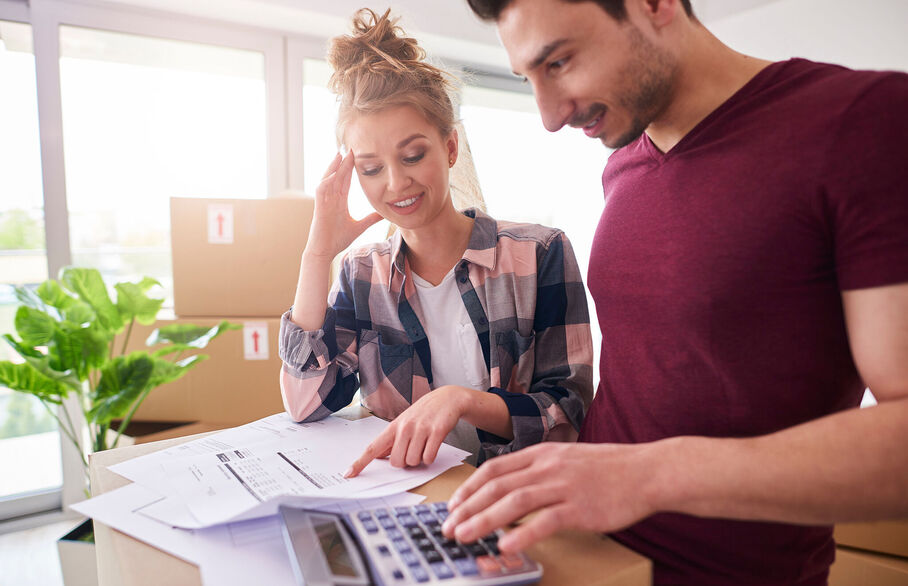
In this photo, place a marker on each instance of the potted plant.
(72, 338)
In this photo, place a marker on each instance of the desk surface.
(567, 558)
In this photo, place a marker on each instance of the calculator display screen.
(336, 553)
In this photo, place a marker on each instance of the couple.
(750, 273)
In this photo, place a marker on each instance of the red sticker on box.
(255, 340)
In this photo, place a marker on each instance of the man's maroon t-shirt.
(717, 270)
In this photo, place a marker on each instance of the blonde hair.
(379, 67)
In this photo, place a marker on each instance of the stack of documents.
(213, 501)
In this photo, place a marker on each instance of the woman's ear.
(452, 143)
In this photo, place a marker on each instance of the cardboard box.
(237, 257)
(890, 537)
(238, 383)
(857, 568)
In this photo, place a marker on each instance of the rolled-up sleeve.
(553, 407)
(319, 370)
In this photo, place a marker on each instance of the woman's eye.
(414, 158)
(371, 171)
(556, 65)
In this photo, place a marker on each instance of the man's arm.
(848, 466)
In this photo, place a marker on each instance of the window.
(146, 119)
(29, 440)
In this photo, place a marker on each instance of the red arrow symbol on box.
(255, 342)
(220, 224)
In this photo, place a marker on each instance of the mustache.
(583, 118)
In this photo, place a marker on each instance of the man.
(750, 273)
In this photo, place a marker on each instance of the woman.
(457, 326)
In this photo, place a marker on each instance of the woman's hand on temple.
(333, 229)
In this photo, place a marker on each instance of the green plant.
(67, 337)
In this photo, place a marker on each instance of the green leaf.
(89, 286)
(51, 293)
(35, 327)
(132, 301)
(26, 379)
(189, 335)
(29, 298)
(166, 371)
(42, 365)
(21, 349)
(122, 381)
(80, 314)
(79, 349)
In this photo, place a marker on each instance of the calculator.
(395, 546)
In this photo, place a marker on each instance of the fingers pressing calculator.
(389, 547)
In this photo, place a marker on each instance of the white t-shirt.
(456, 354)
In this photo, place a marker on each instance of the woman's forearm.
(311, 298)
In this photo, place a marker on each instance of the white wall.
(862, 34)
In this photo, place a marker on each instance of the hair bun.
(377, 46)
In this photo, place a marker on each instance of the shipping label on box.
(237, 257)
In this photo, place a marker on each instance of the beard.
(648, 79)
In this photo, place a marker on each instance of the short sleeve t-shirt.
(717, 271)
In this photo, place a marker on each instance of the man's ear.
(659, 13)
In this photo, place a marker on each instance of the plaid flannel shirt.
(524, 293)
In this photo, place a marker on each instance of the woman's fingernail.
(349, 472)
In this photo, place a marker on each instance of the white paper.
(241, 553)
(218, 487)
(247, 471)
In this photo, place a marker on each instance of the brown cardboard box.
(857, 568)
(890, 537)
(237, 257)
(238, 383)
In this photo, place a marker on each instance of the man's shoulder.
(836, 82)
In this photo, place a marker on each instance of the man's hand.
(415, 436)
(598, 487)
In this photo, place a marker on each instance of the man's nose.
(553, 108)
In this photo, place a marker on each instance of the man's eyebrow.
(543, 54)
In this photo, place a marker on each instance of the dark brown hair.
(491, 9)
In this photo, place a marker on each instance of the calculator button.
(432, 555)
(476, 549)
(370, 526)
(394, 534)
(407, 520)
(424, 543)
(397, 574)
(416, 532)
(364, 515)
(380, 513)
(442, 571)
(492, 546)
(401, 545)
(402, 510)
(511, 561)
(421, 508)
(383, 549)
(387, 522)
(466, 567)
(439, 506)
(487, 565)
(419, 573)
(427, 518)
(455, 552)
(410, 558)
(442, 515)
